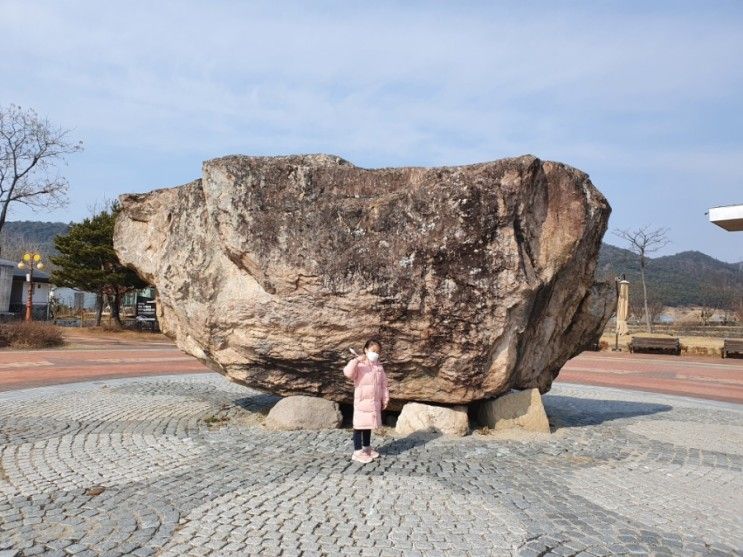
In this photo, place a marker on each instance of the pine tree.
(87, 261)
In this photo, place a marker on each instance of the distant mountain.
(689, 278)
(18, 236)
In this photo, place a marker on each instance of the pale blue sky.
(647, 97)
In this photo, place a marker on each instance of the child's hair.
(372, 342)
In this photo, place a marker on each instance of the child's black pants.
(357, 438)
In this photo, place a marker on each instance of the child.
(370, 396)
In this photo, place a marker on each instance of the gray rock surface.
(477, 278)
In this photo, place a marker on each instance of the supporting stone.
(515, 410)
(304, 412)
(449, 420)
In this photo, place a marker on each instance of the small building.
(136, 305)
(7, 270)
(74, 298)
(14, 292)
(729, 217)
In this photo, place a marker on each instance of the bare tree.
(705, 314)
(30, 147)
(738, 308)
(636, 311)
(726, 300)
(656, 309)
(103, 204)
(642, 242)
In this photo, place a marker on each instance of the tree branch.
(29, 148)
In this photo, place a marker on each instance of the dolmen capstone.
(477, 279)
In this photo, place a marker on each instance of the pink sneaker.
(361, 456)
(371, 452)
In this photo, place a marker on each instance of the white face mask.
(373, 356)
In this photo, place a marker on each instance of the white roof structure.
(729, 217)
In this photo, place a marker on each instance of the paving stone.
(624, 472)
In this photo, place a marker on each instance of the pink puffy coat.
(370, 392)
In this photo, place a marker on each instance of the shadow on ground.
(411, 441)
(568, 411)
(261, 403)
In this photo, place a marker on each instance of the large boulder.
(476, 278)
(428, 417)
(304, 412)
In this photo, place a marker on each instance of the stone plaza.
(182, 465)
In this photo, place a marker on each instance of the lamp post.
(49, 303)
(30, 260)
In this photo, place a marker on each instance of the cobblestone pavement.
(181, 465)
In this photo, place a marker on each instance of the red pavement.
(698, 377)
(89, 357)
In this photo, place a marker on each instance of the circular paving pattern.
(181, 465)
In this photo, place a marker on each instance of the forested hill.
(684, 279)
(17, 236)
